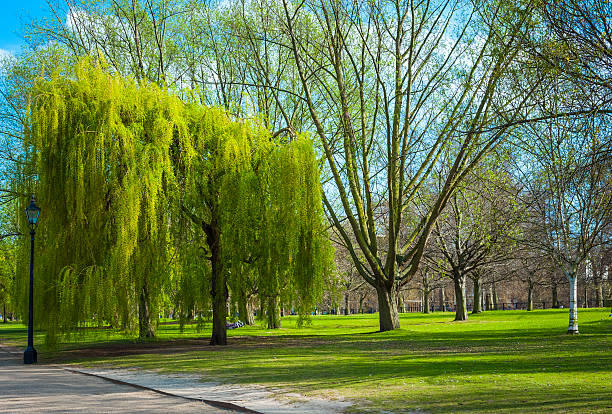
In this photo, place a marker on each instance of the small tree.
(429, 280)
(569, 186)
(476, 231)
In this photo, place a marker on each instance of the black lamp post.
(32, 212)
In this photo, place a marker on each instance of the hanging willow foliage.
(273, 222)
(99, 147)
(142, 193)
(254, 206)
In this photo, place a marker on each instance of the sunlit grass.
(504, 361)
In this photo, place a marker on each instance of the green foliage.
(285, 204)
(7, 274)
(264, 197)
(99, 146)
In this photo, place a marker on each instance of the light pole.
(32, 212)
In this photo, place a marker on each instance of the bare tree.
(428, 281)
(570, 186)
(476, 231)
(389, 86)
(599, 264)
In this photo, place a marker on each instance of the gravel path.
(252, 397)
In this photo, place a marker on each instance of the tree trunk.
(219, 319)
(495, 298)
(482, 300)
(586, 295)
(361, 299)
(219, 291)
(190, 313)
(274, 321)
(145, 327)
(461, 308)
(347, 311)
(442, 300)
(388, 316)
(529, 296)
(555, 298)
(425, 301)
(477, 299)
(4, 313)
(244, 311)
(599, 295)
(400, 303)
(573, 311)
(261, 310)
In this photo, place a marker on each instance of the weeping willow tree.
(142, 193)
(98, 148)
(253, 203)
(275, 228)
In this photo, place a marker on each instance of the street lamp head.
(32, 212)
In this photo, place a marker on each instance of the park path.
(44, 388)
(257, 398)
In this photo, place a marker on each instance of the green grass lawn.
(502, 361)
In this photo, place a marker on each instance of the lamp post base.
(30, 356)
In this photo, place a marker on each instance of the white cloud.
(84, 21)
(5, 54)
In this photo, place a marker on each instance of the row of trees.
(518, 278)
(425, 115)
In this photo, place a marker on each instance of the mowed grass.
(502, 361)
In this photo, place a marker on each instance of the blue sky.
(14, 14)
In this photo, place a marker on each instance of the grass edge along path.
(500, 361)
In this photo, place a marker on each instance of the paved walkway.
(51, 389)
